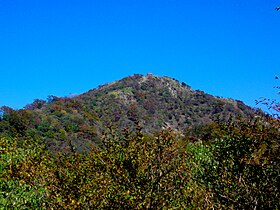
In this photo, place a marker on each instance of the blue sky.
(228, 48)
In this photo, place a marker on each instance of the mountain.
(158, 102)
(154, 102)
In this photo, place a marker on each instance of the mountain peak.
(156, 101)
(148, 80)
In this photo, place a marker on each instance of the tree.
(271, 105)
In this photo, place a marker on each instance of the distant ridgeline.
(149, 101)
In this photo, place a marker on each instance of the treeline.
(224, 165)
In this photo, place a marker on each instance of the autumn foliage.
(96, 152)
(237, 167)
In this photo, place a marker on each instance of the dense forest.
(143, 142)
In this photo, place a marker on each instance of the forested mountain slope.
(157, 102)
(153, 102)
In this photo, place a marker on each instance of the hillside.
(143, 142)
(159, 102)
(153, 102)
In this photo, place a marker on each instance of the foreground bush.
(244, 172)
(236, 168)
(20, 179)
(130, 171)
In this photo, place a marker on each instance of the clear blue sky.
(228, 48)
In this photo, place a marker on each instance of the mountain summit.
(158, 102)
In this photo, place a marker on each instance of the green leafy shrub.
(245, 171)
(18, 163)
(237, 167)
